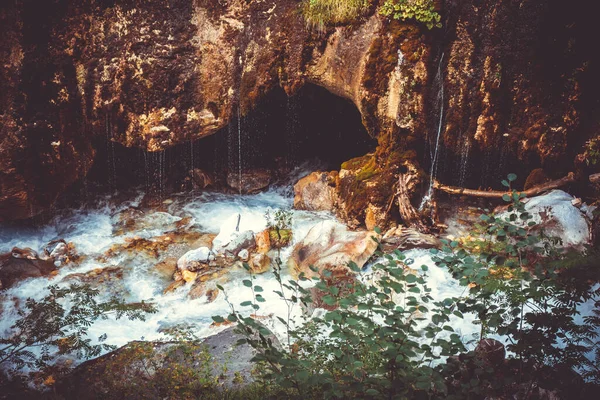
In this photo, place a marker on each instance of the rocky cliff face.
(153, 74)
(521, 83)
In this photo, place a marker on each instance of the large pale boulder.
(555, 213)
(230, 240)
(239, 241)
(331, 246)
(316, 192)
(193, 258)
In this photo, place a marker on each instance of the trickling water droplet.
(435, 155)
(239, 149)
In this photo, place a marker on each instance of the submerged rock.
(331, 246)
(107, 280)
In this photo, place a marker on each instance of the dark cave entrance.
(314, 129)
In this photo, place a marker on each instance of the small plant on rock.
(279, 225)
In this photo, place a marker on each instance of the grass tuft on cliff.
(322, 13)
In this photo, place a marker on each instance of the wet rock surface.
(331, 246)
(18, 266)
(155, 74)
(147, 362)
(316, 192)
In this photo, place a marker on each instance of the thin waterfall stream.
(435, 155)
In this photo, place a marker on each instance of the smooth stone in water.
(192, 258)
(556, 214)
(331, 246)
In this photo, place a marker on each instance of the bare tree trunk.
(409, 214)
(493, 194)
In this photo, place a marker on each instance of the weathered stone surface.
(238, 242)
(316, 192)
(136, 370)
(518, 81)
(191, 259)
(555, 214)
(259, 263)
(16, 269)
(108, 280)
(331, 246)
(406, 238)
(201, 179)
(263, 242)
(252, 181)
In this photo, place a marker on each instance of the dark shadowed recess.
(313, 127)
(556, 45)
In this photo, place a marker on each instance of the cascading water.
(112, 163)
(434, 156)
(464, 161)
(239, 124)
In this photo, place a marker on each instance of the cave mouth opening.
(313, 129)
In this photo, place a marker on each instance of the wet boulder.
(109, 279)
(252, 181)
(193, 259)
(201, 179)
(316, 192)
(125, 372)
(21, 264)
(239, 241)
(259, 263)
(408, 238)
(555, 213)
(230, 240)
(331, 246)
(60, 252)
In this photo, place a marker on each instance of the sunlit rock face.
(154, 74)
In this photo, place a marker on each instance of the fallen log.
(497, 194)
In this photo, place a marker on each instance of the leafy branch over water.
(59, 323)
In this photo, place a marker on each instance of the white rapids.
(92, 230)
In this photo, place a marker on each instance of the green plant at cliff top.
(420, 10)
(321, 13)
